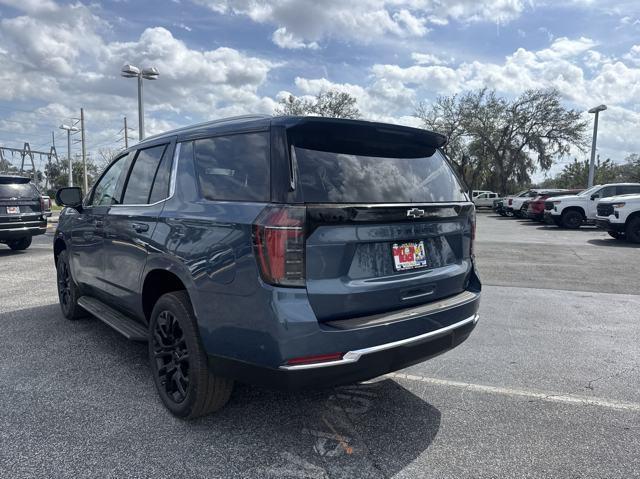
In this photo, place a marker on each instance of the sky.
(221, 58)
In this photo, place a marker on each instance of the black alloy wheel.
(179, 363)
(633, 229)
(572, 219)
(68, 292)
(171, 356)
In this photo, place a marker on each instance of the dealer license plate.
(13, 210)
(409, 255)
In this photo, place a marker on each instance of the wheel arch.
(59, 245)
(158, 282)
(633, 215)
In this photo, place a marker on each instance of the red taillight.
(319, 358)
(510, 201)
(278, 239)
(43, 206)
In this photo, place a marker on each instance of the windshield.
(591, 190)
(327, 177)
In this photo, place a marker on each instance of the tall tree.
(329, 103)
(499, 142)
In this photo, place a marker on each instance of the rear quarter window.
(234, 167)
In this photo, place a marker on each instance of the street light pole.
(597, 111)
(69, 130)
(149, 73)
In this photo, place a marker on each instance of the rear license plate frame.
(13, 210)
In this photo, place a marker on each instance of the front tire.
(572, 219)
(20, 244)
(179, 363)
(633, 230)
(68, 292)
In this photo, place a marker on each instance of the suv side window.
(628, 190)
(142, 174)
(106, 190)
(606, 192)
(234, 167)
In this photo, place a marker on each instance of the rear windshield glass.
(18, 190)
(326, 177)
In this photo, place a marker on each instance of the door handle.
(140, 227)
(99, 224)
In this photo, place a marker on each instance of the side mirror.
(71, 197)
(593, 197)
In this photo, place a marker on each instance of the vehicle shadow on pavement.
(6, 251)
(79, 401)
(614, 243)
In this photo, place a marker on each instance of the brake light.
(510, 201)
(278, 240)
(44, 206)
(320, 358)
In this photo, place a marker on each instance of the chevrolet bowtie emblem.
(416, 213)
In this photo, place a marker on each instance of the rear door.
(129, 225)
(383, 233)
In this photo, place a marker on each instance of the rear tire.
(20, 244)
(633, 229)
(572, 219)
(616, 235)
(68, 291)
(179, 363)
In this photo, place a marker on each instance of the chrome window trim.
(354, 356)
(172, 182)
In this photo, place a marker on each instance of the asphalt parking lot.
(547, 386)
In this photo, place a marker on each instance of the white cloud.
(362, 21)
(284, 39)
(428, 59)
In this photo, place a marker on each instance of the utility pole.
(84, 151)
(595, 110)
(69, 129)
(140, 110)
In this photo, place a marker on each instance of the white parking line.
(549, 397)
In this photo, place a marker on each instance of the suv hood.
(635, 198)
(566, 198)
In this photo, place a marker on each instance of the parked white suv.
(574, 211)
(620, 217)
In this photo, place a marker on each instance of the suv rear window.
(326, 177)
(234, 167)
(18, 190)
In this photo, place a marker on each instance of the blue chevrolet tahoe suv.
(282, 251)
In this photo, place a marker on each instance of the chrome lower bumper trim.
(354, 356)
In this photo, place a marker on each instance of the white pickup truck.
(620, 217)
(576, 210)
(485, 199)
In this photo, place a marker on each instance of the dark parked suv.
(283, 251)
(23, 212)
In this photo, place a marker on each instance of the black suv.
(284, 251)
(23, 212)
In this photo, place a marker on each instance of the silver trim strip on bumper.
(354, 356)
(25, 228)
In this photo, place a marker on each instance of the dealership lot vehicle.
(574, 211)
(540, 369)
(23, 211)
(514, 203)
(620, 217)
(535, 207)
(258, 249)
(485, 199)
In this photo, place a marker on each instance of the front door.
(87, 240)
(130, 225)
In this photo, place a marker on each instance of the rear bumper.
(607, 225)
(535, 215)
(370, 349)
(20, 230)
